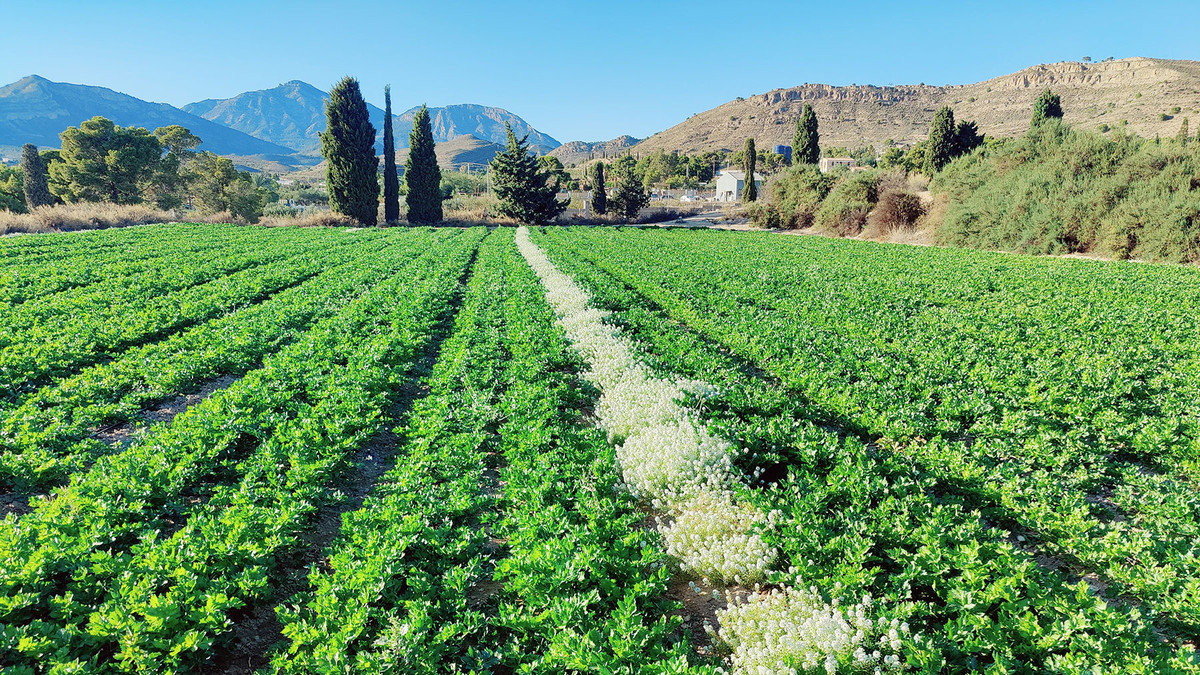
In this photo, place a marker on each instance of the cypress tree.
(1048, 105)
(629, 193)
(422, 174)
(599, 197)
(37, 191)
(806, 148)
(348, 144)
(391, 183)
(1182, 137)
(522, 184)
(943, 141)
(750, 158)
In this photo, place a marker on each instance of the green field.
(592, 450)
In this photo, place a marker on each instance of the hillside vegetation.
(1062, 190)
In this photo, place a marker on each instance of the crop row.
(1051, 480)
(50, 434)
(140, 563)
(163, 253)
(499, 541)
(872, 520)
(45, 340)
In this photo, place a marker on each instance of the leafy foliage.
(1048, 106)
(599, 191)
(348, 144)
(943, 141)
(36, 178)
(629, 195)
(749, 167)
(806, 145)
(524, 187)
(391, 181)
(102, 162)
(422, 174)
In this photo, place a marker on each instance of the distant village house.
(730, 183)
(828, 164)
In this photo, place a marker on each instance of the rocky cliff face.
(1138, 91)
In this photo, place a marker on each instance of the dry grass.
(310, 219)
(71, 217)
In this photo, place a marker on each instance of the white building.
(828, 164)
(730, 183)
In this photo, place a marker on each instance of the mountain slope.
(467, 119)
(1138, 90)
(574, 152)
(35, 110)
(293, 114)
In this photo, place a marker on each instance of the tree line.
(526, 188)
(100, 161)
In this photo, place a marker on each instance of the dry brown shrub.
(897, 209)
(310, 219)
(89, 216)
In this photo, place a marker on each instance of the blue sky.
(577, 70)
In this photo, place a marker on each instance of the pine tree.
(943, 141)
(806, 148)
(348, 144)
(1048, 105)
(37, 190)
(629, 194)
(599, 197)
(1182, 137)
(422, 174)
(750, 158)
(522, 185)
(391, 182)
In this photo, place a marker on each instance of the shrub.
(85, 216)
(1059, 190)
(844, 211)
(897, 209)
(794, 198)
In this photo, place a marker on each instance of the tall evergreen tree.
(599, 197)
(523, 185)
(806, 147)
(750, 158)
(391, 182)
(1182, 137)
(629, 193)
(348, 144)
(943, 140)
(37, 188)
(966, 138)
(1047, 106)
(422, 174)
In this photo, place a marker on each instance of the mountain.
(462, 150)
(293, 115)
(576, 152)
(1140, 91)
(35, 110)
(466, 119)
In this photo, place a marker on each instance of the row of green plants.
(142, 563)
(875, 510)
(500, 540)
(54, 336)
(32, 277)
(1097, 417)
(49, 436)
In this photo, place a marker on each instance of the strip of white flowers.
(668, 457)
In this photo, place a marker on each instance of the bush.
(897, 209)
(844, 211)
(1059, 190)
(311, 219)
(794, 198)
(84, 216)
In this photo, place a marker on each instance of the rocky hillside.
(35, 110)
(467, 119)
(577, 152)
(1138, 91)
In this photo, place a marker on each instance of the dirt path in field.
(120, 436)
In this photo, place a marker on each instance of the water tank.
(785, 150)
